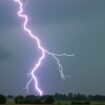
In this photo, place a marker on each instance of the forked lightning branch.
(44, 52)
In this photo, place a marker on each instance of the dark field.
(11, 102)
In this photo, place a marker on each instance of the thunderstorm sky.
(71, 26)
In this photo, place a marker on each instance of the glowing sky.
(68, 25)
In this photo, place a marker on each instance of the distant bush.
(86, 103)
(59, 103)
(19, 100)
(2, 99)
(31, 99)
(76, 103)
(80, 103)
(49, 100)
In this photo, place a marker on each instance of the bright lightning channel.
(21, 14)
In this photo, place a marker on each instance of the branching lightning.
(44, 52)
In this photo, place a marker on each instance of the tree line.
(50, 99)
(79, 96)
(29, 99)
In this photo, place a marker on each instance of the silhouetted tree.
(31, 99)
(49, 100)
(70, 96)
(2, 99)
(62, 97)
(19, 100)
(57, 96)
(96, 97)
(79, 97)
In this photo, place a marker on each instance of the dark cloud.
(4, 54)
(49, 12)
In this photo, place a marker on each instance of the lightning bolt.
(44, 52)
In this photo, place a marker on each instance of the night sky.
(71, 26)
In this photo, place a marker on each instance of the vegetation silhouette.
(19, 99)
(31, 99)
(75, 99)
(3, 99)
(80, 103)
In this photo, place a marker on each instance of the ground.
(11, 102)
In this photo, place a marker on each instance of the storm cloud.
(71, 26)
(4, 55)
